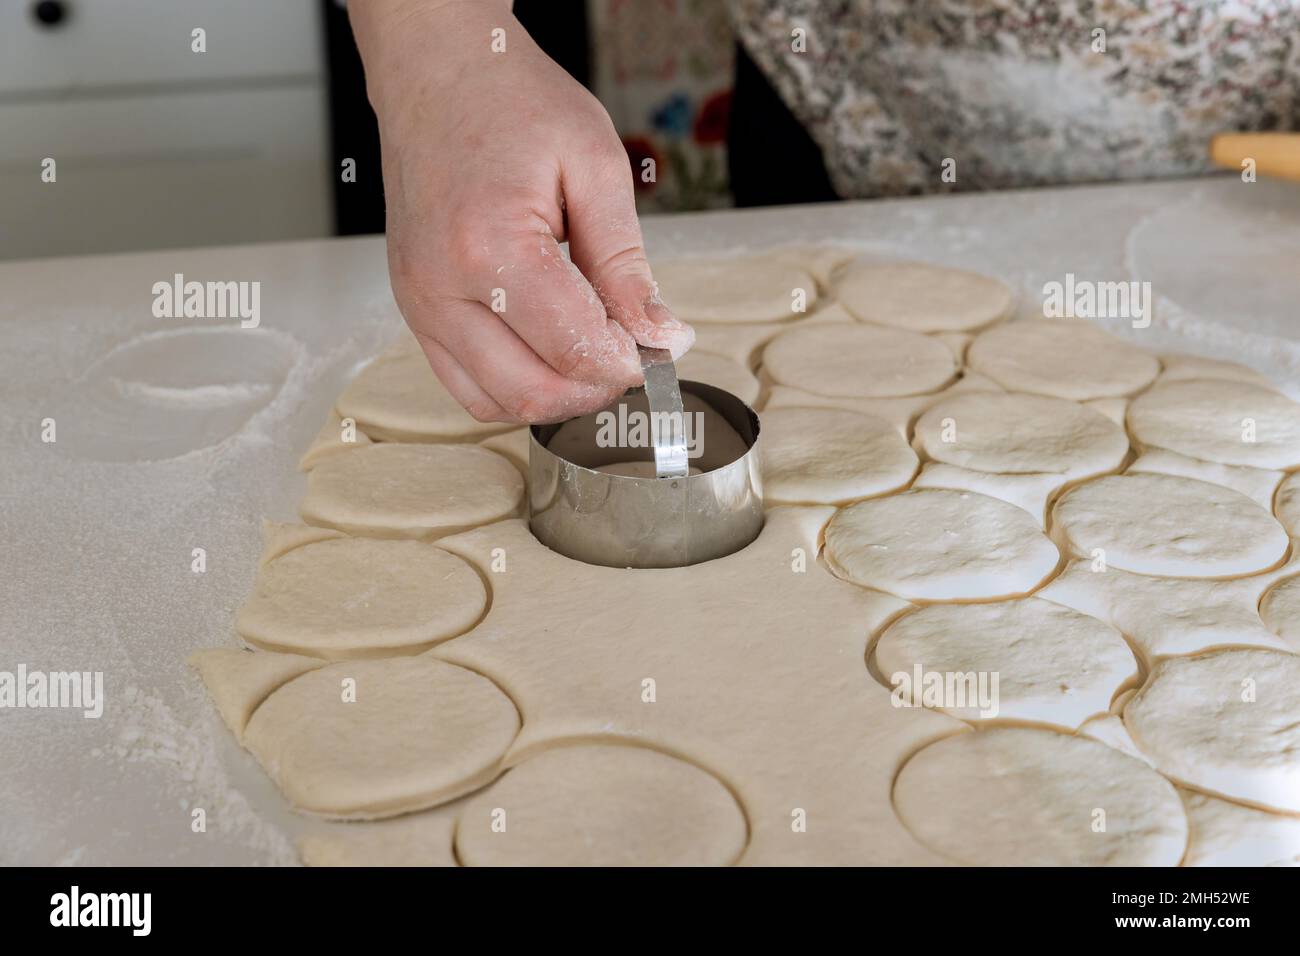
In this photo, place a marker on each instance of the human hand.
(491, 160)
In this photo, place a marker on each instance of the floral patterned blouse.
(1005, 93)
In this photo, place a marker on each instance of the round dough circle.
(398, 398)
(939, 545)
(1169, 526)
(1287, 503)
(411, 491)
(1067, 358)
(360, 597)
(1280, 610)
(1017, 796)
(603, 805)
(1019, 433)
(1210, 420)
(753, 289)
(839, 360)
(1191, 720)
(420, 732)
(921, 297)
(720, 372)
(827, 456)
(1054, 665)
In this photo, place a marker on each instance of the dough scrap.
(571, 680)
(752, 289)
(1165, 525)
(939, 546)
(329, 441)
(957, 342)
(1014, 796)
(238, 680)
(1258, 484)
(1211, 420)
(1053, 665)
(411, 491)
(1113, 408)
(1179, 368)
(719, 371)
(828, 455)
(1067, 358)
(398, 398)
(603, 805)
(1165, 616)
(1029, 492)
(419, 733)
(821, 261)
(1191, 719)
(1110, 730)
(1018, 433)
(921, 297)
(362, 597)
(858, 361)
(1280, 610)
(1229, 834)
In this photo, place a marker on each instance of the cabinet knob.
(49, 13)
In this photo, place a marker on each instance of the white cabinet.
(156, 145)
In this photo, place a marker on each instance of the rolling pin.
(1275, 154)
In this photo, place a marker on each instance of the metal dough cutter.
(666, 476)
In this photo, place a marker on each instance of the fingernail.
(660, 314)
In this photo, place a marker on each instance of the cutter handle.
(1275, 154)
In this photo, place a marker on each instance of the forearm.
(402, 39)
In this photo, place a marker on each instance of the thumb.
(605, 243)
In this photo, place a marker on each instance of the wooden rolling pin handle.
(1275, 154)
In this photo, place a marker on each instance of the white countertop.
(175, 434)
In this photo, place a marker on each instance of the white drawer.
(129, 43)
(170, 170)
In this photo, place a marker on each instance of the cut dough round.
(754, 289)
(1280, 610)
(1015, 796)
(826, 456)
(719, 371)
(398, 398)
(1170, 526)
(1053, 665)
(602, 805)
(939, 546)
(1018, 433)
(920, 297)
(1229, 834)
(858, 361)
(359, 597)
(1226, 722)
(419, 732)
(1287, 504)
(1232, 423)
(1068, 358)
(411, 491)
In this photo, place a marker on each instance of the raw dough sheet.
(764, 716)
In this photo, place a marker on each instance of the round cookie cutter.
(664, 517)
